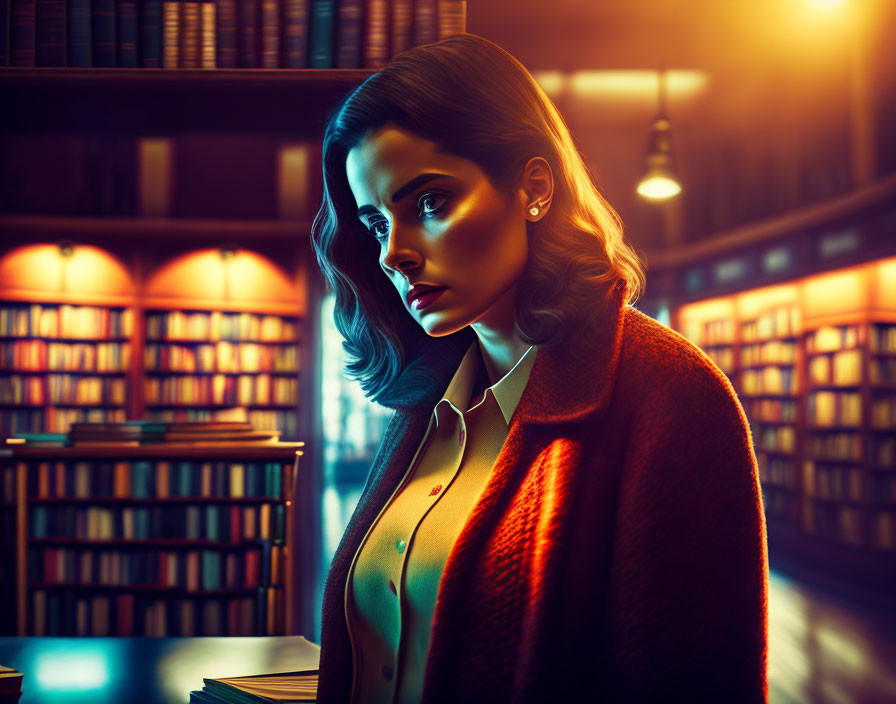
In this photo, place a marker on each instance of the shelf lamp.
(658, 181)
(66, 249)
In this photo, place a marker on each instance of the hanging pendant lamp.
(658, 181)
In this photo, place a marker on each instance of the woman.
(565, 505)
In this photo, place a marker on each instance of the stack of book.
(11, 685)
(221, 33)
(258, 689)
(141, 432)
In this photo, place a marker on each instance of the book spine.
(269, 29)
(127, 33)
(452, 18)
(248, 47)
(208, 30)
(150, 44)
(22, 33)
(320, 38)
(5, 17)
(295, 33)
(171, 33)
(375, 52)
(50, 49)
(424, 22)
(401, 26)
(190, 36)
(349, 29)
(226, 29)
(103, 15)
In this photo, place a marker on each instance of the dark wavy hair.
(478, 102)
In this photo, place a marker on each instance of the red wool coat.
(618, 551)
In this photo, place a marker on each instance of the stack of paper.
(258, 689)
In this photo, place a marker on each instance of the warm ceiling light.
(636, 84)
(658, 180)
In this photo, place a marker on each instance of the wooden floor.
(826, 647)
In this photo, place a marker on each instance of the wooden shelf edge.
(55, 227)
(879, 191)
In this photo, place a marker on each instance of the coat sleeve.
(688, 591)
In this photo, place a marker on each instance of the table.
(144, 670)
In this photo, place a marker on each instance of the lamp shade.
(658, 180)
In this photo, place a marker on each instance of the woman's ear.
(536, 188)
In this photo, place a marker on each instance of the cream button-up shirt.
(392, 583)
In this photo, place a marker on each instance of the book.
(50, 41)
(298, 686)
(11, 684)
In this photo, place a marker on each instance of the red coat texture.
(618, 551)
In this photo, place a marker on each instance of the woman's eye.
(376, 232)
(430, 198)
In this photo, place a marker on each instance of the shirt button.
(392, 587)
(387, 672)
(462, 435)
(435, 490)
(400, 545)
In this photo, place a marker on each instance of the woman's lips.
(427, 298)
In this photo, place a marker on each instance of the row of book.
(770, 410)
(834, 408)
(849, 525)
(62, 389)
(150, 479)
(771, 352)
(187, 570)
(65, 321)
(883, 371)
(843, 368)
(66, 612)
(883, 338)
(836, 446)
(272, 420)
(843, 482)
(768, 380)
(831, 338)
(223, 357)
(223, 33)
(883, 413)
(883, 452)
(714, 332)
(216, 325)
(782, 322)
(842, 524)
(723, 357)
(776, 438)
(44, 356)
(778, 471)
(53, 419)
(221, 389)
(216, 522)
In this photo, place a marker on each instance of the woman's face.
(453, 230)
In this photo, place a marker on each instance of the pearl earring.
(533, 210)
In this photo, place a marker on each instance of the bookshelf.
(198, 362)
(813, 365)
(197, 337)
(154, 540)
(61, 364)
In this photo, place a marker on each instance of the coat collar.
(567, 383)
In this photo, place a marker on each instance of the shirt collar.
(507, 391)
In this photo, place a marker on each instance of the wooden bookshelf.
(149, 540)
(814, 368)
(61, 364)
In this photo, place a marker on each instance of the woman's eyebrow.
(407, 188)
